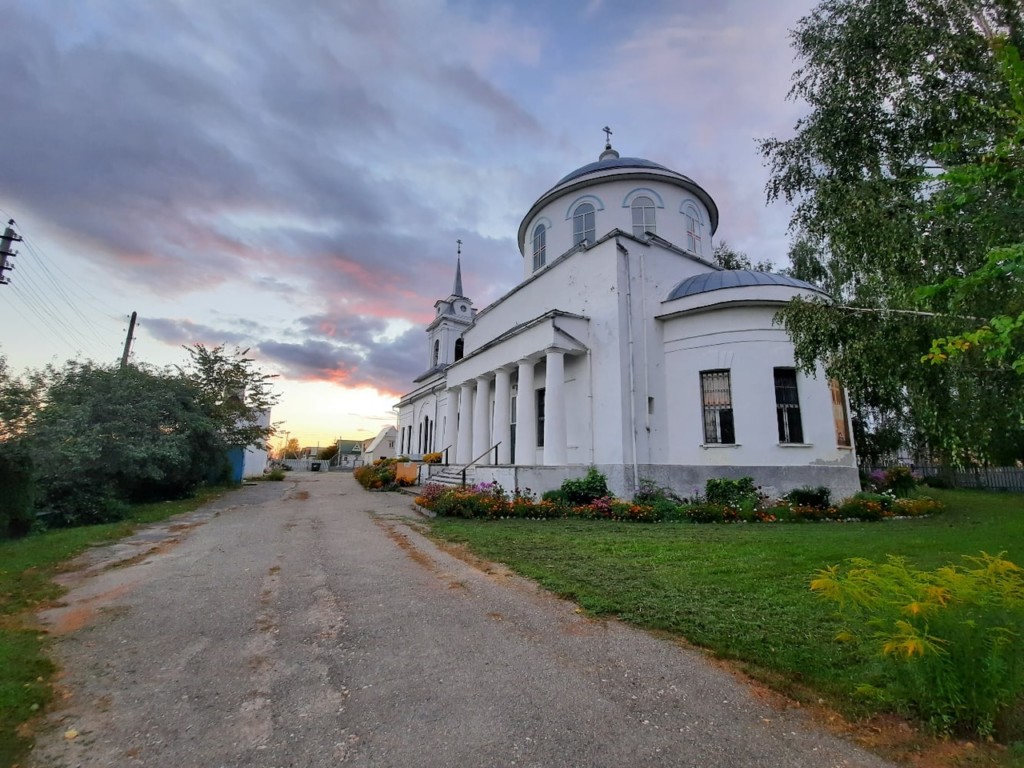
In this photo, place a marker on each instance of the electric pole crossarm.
(9, 236)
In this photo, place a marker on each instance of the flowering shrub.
(949, 639)
(432, 458)
(916, 507)
(489, 500)
(431, 492)
(899, 481)
(868, 510)
(377, 476)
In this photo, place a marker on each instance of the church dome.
(606, 182)
(734, 278)
(610, 163)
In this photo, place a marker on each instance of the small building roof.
(734, 278)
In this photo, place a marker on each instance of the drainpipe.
(647, 350)
(632, 358)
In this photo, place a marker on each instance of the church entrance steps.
(452, 477)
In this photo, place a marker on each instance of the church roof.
(608, 164)
(734, 278)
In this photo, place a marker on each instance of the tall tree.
(234, 392)
(899, 91)
(999, 340)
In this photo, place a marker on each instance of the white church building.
(625, 348)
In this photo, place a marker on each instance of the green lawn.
(27, 567)
(741, 590)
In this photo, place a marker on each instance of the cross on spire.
(607, 137)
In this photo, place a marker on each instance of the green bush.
(731, 493)
(586, 489)
(948, 639)
(707, 512)
(17, 492)
(900, 481)
(276, 475)
(649, 492)
(863, 507)
(819, 497)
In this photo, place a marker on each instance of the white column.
(502, 430)
(465, 444)
(482, 419)
(554, 409)
(451, 420)
(526, 415)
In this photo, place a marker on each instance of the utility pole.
(128, 340)
(9, 237)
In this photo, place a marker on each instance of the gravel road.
(309, 623)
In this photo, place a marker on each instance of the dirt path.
(309, 624)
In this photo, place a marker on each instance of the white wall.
(744, 341)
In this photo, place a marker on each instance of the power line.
(37, 286)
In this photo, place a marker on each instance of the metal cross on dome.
(607, 136)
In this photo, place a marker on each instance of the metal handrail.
(474, 461)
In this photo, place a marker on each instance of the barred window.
(716, 396)
(839, 414)
(787, 406)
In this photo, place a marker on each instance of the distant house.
(382, 446)
(350, 453)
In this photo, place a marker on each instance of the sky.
(291, 176)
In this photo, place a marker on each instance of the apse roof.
(734, 278)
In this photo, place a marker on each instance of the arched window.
(540, 246)
(583, 224)
(643, 215)
(437, 351)
(694, 230)
(460, 346)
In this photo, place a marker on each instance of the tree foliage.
(1000, 339)
(96, 436)
(728, 257)
(899, 91)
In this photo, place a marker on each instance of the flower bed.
(491, 501)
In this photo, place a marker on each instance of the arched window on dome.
(643, 216)
(694, 230)
(583, 224)
(540, 246)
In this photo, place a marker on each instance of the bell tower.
(452, 316)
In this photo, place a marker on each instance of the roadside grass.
(27, 568)
(741, 591)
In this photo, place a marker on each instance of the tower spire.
(457, 288)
